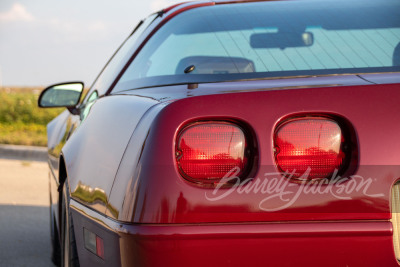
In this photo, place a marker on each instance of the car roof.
(195, 3)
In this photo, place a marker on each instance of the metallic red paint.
(149, 192)
(310, 243)
(161, 195)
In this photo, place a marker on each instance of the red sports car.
(235, 133)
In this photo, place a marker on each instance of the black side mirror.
(65, 95)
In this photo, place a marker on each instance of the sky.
(43, 42)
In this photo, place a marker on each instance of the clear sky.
(49, 41)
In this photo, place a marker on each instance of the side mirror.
(62, 95)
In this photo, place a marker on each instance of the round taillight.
(208, 151)
(311, 143)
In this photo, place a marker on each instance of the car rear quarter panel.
(93, 153)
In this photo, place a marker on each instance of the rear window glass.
(270, 39)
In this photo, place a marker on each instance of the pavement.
(24, 208)
(31, 153)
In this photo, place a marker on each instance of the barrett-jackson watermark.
(280, 186)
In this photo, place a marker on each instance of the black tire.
(55, 241)
(69, 254)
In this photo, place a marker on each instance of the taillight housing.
(209, 150)
(316, 143)
(395, 203)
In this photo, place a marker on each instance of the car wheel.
(55, 241)
(69, 255)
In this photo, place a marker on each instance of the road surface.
(24, 214)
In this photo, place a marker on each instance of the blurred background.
(48, 41)
(43, 42)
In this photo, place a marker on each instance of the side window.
(87, 106)
(118, 60)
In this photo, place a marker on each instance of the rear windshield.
(270, 39)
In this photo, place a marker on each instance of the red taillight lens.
(315, 143)
(207, 151)
(93, 243)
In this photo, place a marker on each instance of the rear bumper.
(272, 244)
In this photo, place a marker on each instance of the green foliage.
(23, 134)
(22, 122)
(21, 107)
